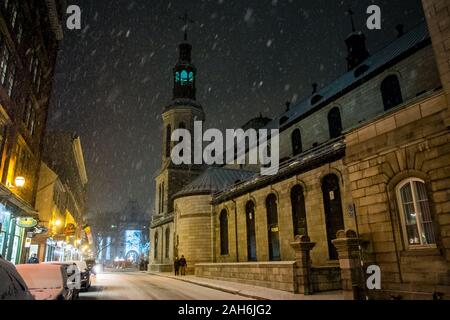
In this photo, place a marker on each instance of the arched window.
(168, 140)
(251, 231)
(224, 232)
(273, 228)
(155, 246)
(334, 217)
(298, 211)
(415, 213)
(296, 142)
(191, 77)
(182, 125)
(167, 242)
(335, 123)
(177, 76)
(391, 92)
(184, 77)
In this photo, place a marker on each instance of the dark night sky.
(114, 77)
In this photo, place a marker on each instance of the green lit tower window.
(191, 77)
(177, 76)
(184, 77)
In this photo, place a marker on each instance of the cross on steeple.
(185, 18)
(351, 14)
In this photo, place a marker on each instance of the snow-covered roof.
(409, 41)
(214, 179)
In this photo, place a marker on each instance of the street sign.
(70, 230)
(26, 222)
(27, 242)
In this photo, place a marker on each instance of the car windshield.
(41, 276)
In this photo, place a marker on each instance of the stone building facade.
(30, 32)
(363, 183)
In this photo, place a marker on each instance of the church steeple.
(356, 46)
(184, 72)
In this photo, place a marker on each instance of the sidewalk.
(251, 291)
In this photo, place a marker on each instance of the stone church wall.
(411, 142)
(193, 233)
(311, 182)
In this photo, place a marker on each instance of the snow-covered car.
(72, 274)
(85, 274)
(46, 281)
(12, 285)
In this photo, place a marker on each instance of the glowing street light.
(19, 182)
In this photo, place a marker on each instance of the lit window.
(191, 77)
(4, 59)
(184, 77)
(177, 76)
(415, 213)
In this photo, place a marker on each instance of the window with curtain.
(415, 213)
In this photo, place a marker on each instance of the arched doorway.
(273, 228)
(334, 218)
(251, 233)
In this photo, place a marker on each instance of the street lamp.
(19, 182)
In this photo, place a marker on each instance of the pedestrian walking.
(33, 259)
(183, 265)
(176, 266)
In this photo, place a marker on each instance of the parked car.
(46, 282)
(85, 274)
(12, 285)
(72, 274)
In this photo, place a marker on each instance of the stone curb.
(211, 286)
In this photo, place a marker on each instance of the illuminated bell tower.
(184, 74)
(180, 113)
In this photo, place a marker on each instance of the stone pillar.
(437, 13)
(302, 273)
(348, 247)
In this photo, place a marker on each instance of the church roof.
(404, 46)
(214, 179)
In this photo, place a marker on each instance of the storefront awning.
(22, 207)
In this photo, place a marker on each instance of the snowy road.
(143, 286)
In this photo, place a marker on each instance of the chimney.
(288, 105)
(400, 30)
